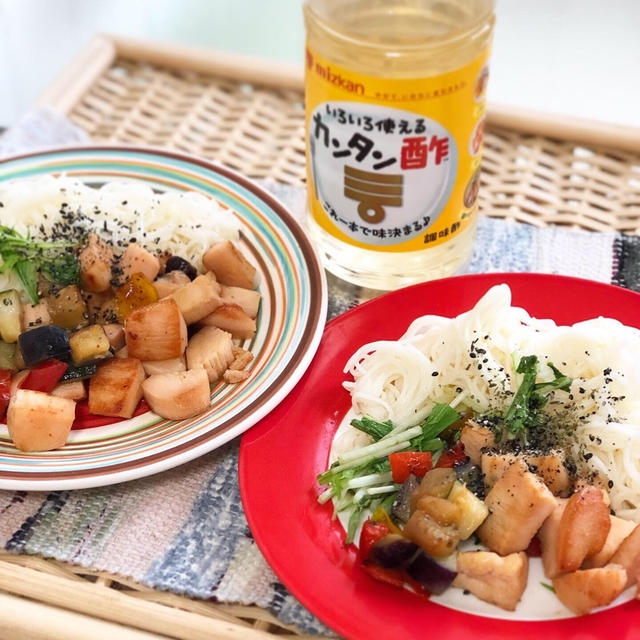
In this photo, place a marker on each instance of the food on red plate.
(486, 443)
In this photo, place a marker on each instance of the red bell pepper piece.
(370, 534)
(45, 376)
(405, 463)
(451, 457)
(395, 577)
(5, 390)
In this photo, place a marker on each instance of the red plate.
(281, 456)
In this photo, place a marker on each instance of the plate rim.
(97, 477)
(555, 629)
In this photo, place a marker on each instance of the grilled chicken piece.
(156, 331)
(177, 396)
(170, 282)
(248, 299)
(475, 438)
(619, 530)
(241, 358)
(549, 467)
(548, 536)
(494, 466)
(137, 259)
(101, 307)
(95, 264)
(173, 365)
(236, 371)
(230, 266)
(597, 481)
(210, 349)
(116, 388)
(628, 555)
(198, 298)
(39, 421)
(73, 390)
(582, 591)
(233, 376)
(231, 318)
(492, 578)
(35, 315)
(583, 528)
(115, 335)
(518, 503)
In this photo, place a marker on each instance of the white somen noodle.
(476, 353)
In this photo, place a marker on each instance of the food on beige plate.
(483, 447)
(87, 274)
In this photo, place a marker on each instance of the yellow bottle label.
(393, 164)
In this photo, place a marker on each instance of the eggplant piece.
(435, 578)
(392, 551)
(45, 342)
(401, 507)
(8, 356)
(176, 263)
(79, 373)
(471, 475)
(89, 344)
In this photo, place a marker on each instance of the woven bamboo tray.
(249, 115)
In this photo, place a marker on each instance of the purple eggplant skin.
(392, 551)
(432, 576)
(401, 507)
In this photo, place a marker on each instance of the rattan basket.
(249, 115)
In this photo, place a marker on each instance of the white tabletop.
(572, 57)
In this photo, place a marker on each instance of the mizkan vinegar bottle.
(395, 108)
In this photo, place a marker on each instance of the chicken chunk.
(518, 503)
(475, 438)
(583, 528)
(494, 466)
(156, 331)
(248, 299)
(177, 396)
(492, 578)
(582, 591)
(73, 390)
(231, 318)
(198, 299)
(210, 349)
(137, 259)
(172, 365)
(548, 536)
(230, 266)
(233, 376)
(618, 531)
(116, 388)
(628, 555)
(549, 467)
(39, 421)
(95, 264)
(170, 282)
